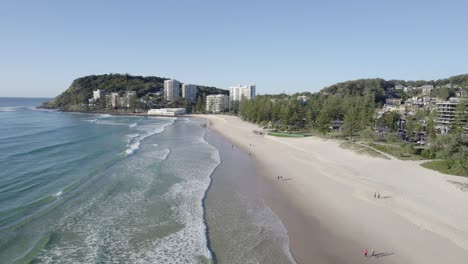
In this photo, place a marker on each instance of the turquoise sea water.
(92, 188)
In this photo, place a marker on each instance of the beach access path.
(421, 216)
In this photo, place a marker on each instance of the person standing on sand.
(372, 252)
(365, 252)
(375, 195)
(378, 196)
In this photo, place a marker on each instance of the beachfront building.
(171, 90)
(167, 111)
(98, 95)
(189, 92)
(236, 93)
(216, 103)
(114, 100)
(128, 99)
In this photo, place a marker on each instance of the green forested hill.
(379, 87)
(383, 89)
(82, 88)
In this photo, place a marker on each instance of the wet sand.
(241, 227)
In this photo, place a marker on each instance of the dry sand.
(420, 218)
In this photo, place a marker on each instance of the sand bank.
(328, 204)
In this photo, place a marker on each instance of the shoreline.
(312, 241)
(240, 228)
(336, 186)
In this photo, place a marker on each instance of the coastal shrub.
(368, 133)
(451, 166)
(392, 137)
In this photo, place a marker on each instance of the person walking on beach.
(365, 252)
(378, 195)
(372, 252)
(375, 195)
(278, 177)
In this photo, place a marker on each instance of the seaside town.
(413, 100)
(173, 93)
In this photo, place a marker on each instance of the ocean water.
(91, 188)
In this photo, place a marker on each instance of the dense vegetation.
(383, 89)
(82, 88)
(347, 110)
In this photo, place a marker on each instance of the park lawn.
(360, 149)
(282, 134)
(396, 151)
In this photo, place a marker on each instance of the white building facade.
(236, 93)
(189, 92)
(171, 90)
(216, 103)
(167, 111)
(98, 95)
(114, 100)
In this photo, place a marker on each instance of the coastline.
(309, 241)
(241, 228)
(332, 188)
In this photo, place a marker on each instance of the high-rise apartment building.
(171, 90)
(189, 92)
(216, 103)
(236, 93)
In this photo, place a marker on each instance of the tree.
(461, 117)
(409, 127)
(284, 116)
(198, 106)
(351, 121)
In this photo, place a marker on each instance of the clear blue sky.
(279, 45)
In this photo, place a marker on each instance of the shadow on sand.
(383, 254)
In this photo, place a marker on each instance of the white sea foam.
(111, 123)
(189, 210)
(149, 130)
(133, 125)
(113, 228)
(15, 108)
(132, 148)
(90, 120)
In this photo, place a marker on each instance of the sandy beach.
(326, 200)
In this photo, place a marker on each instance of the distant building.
(98, 95)
(427, 88)
(216, 103)
(171, 90)
(189, 92)
(446, 114)
(127, 99)
(462, 93)
(302, 98)
(236, 93)
(399, 87)
(393, 101)
(114, 99)
(167, 111)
